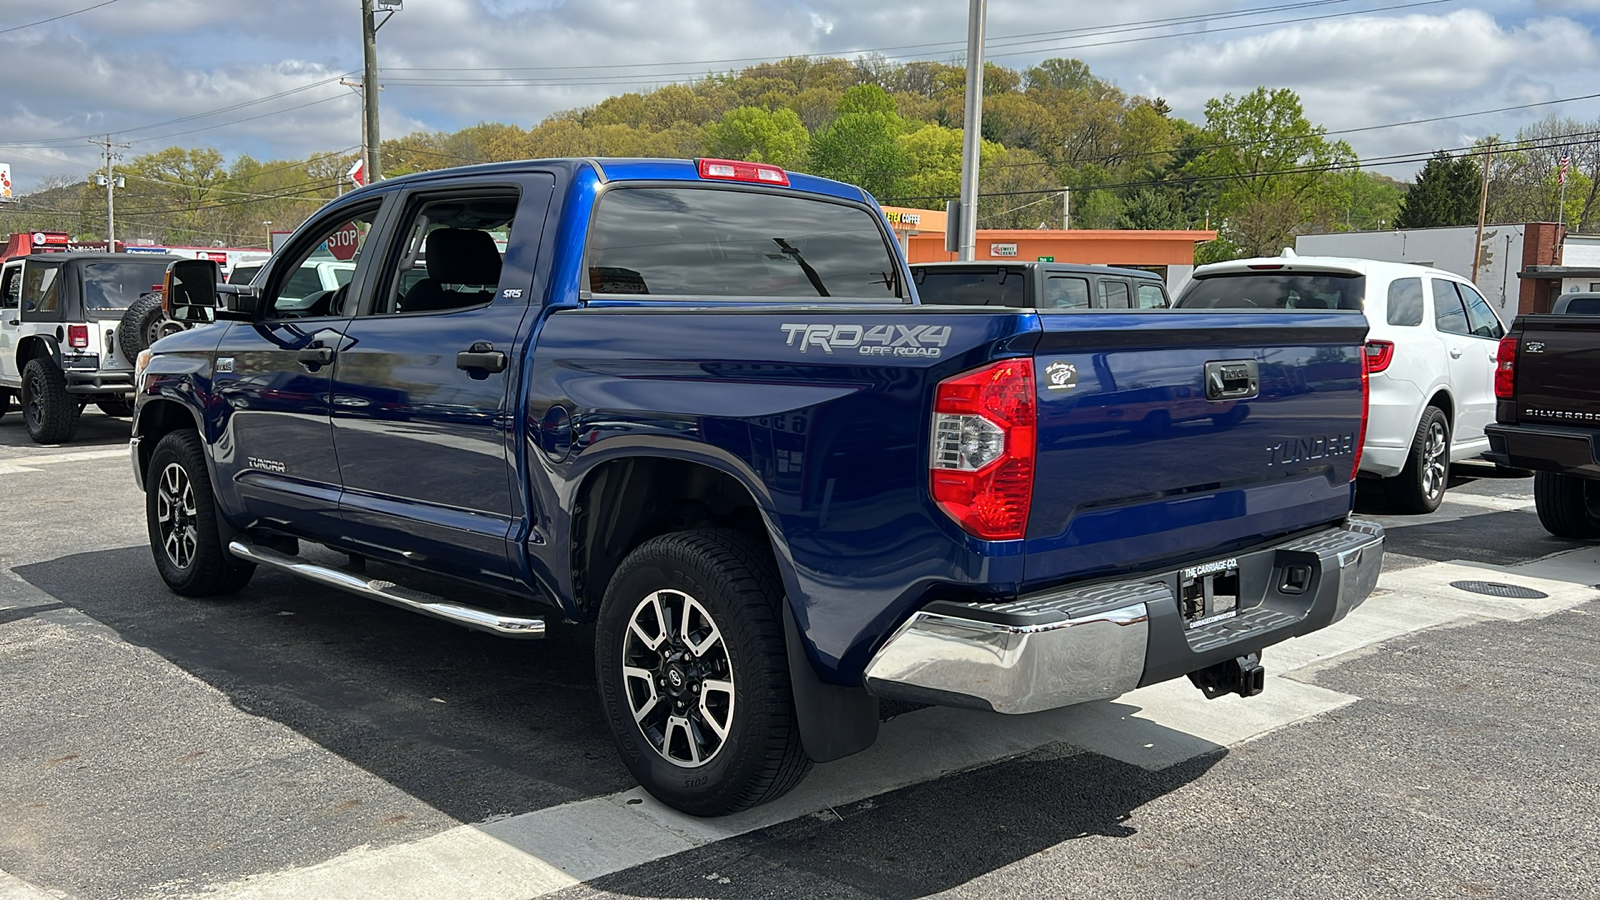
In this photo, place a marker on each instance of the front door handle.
(314, 356)
(1455, 352)
(483, 357)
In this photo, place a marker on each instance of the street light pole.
(972, 127)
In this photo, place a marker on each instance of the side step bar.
(390, 593)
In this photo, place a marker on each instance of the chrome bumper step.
(390, 593)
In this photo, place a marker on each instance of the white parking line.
(14, 888)
(542, 852)
(17, 464)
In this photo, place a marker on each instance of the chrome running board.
(390, 593)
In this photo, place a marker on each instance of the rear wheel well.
(626, 502)
(158, 419)
(31, 348)
(1442, 401)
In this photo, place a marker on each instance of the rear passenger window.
(1066, 293)
(1151, 296)
(1405, 301)
(1480, 316)
(711, 242)
(1113, 294)
(1449, 315)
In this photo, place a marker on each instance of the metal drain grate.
(1499, 589)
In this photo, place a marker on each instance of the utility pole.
(972, 126)
(111, 180)
(1483, 207)
(369, 94)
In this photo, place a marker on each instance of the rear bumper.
(1070, 646)
(98, 382)
(1544, 448)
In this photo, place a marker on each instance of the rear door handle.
(483, 356)
(1455, 352)
(315, 356)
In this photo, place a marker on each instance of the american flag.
(1566, 160)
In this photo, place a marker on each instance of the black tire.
(181, 518)
(5, 402)
(1420, 486)
(715, 577)
(140, 326)
(50, 413)
(1566, 505)
(116, 409)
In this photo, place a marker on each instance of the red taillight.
(1378, 356)
(738, 170)
(1505, 368)
(1366, 406)
(981, 471)
(1263, 267)
(78, 336)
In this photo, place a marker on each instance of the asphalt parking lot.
(297, 742)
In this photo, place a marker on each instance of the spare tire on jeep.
(143, 324)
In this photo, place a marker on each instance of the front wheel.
(1567, 505)
(1419, 488)
(694, 680)
(181, 517)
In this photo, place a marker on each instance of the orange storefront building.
(1168, 253)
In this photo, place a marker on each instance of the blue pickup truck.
(696, 406)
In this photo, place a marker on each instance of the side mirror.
(190, 291)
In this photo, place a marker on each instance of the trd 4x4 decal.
(870, 340)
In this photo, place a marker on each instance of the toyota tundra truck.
(695, 406)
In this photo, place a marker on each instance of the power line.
(952, 46)
(56, 18)
(658, 77)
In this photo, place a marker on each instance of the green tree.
(861, 146)
(1445, 193)
(774, 136)
(1272, 167)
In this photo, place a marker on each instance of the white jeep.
(59, 344)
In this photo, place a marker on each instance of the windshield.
(115, 285)
(1274, 290)
(722, 243)
(989, 286)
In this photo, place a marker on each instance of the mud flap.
(835, 721)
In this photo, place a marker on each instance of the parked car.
(776, 508)
(1038, 285)
(60, 315)
(1547, 417)
(1430, 355)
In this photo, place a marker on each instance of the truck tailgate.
(1138, 465)
(1558, 371)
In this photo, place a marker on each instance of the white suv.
(1430, 355)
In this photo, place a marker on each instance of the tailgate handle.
(1232, 379)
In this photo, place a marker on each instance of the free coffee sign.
(344, 242)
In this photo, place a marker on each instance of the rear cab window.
(1274, 290)
(975, 286)
(705, 241)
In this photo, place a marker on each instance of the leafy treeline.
(1256, 168)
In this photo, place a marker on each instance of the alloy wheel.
(34, 409)
(1435, 462)
(176, 515)
(678, 678)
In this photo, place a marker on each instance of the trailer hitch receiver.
(1242, 675)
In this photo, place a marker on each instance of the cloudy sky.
(262, 77)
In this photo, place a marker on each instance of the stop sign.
(344, 242)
